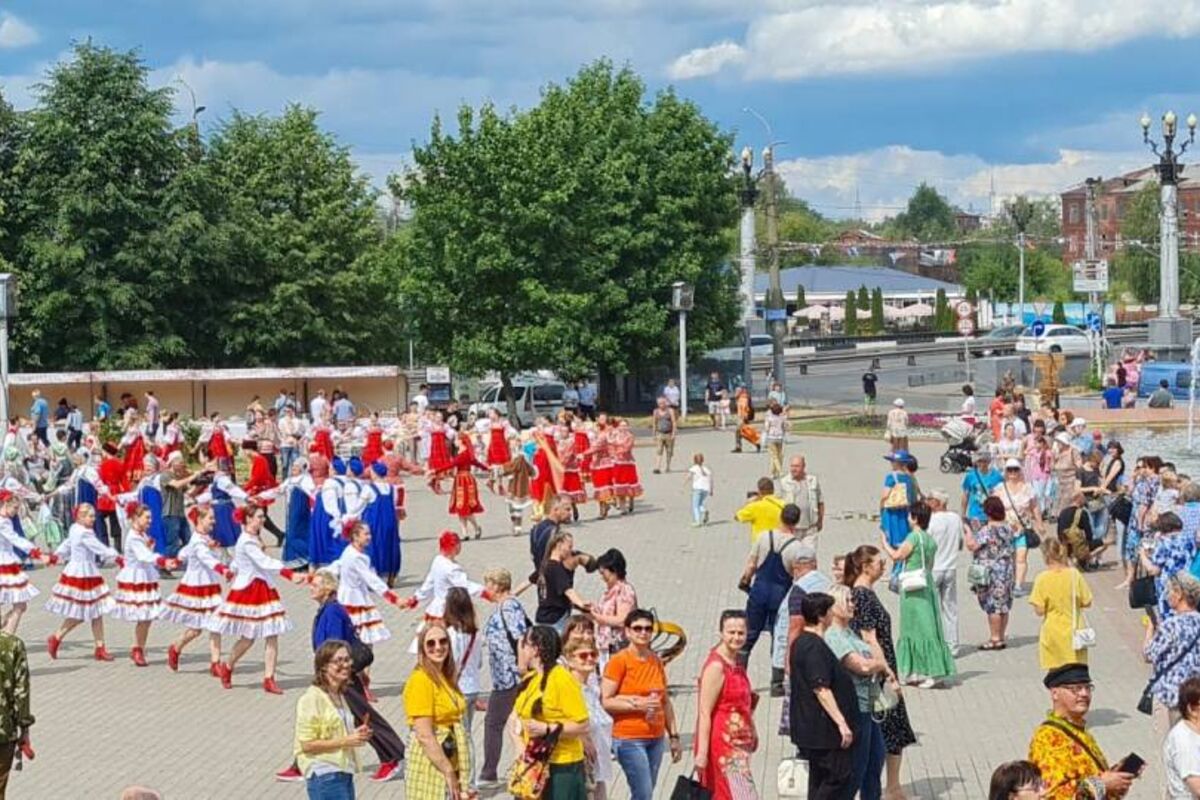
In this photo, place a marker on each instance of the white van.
(536, 397)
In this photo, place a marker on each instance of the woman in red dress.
(440, 463)
(572, 483)
(602, 466)
(547, 468)
(626, 485)
(498, 451)
(373, 449)
(322, 439)
(725, 736)
(583, 444)
(464, 496)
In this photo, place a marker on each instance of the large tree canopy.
(550, 238)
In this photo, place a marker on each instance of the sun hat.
(898, 402)
(1012, 463)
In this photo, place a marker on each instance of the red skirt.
(625, 481)
(464, 498)
(323, 443)
(602, 483)
(573, 486)
(439, 454)
(497, 453)
(582, 445)
(373, 450)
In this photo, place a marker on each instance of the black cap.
(1066, 675)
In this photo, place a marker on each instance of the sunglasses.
(587, 655)
(342, 660)
(431, 644)
(642, 628)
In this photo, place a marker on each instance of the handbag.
(1142, 591)
(1146, 703)
(979, 576)
(791, 778)
(897, 496)
(1081, 637)
(530, 773)
(884, 698)
(913, 580)
(1032, 540)
(688, 788)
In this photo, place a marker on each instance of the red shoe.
(138, 656)
(386, 772)
(290, 775)
(367, 693)
(225, 673)
(214, 669)
(27, 751)
(271, 687)
(52, 646)
(102, 654)
(173, 658)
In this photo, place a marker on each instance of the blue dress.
(151, 498)
(227, 530)
(297, 532)
(380, 515)
(894, 521)
(323, 547)
(85, 492)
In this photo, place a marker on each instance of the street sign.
(775, 314)
(1094, 322)
(964, 309)
(1090, 276)
(1038, 327)
(965, 326)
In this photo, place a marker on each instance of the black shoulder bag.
(1032, 540)
(1146, 704)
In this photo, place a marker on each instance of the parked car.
(535, 397)
(1004, 338)
(1177, 374)
(1066, 339)
(761, 344)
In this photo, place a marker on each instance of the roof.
(1133, 182)
(166, 375)
(841, 279)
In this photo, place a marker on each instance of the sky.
(983, 99)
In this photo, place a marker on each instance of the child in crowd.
(700, 478)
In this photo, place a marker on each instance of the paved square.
(103, 726)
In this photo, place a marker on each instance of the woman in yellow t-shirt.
(439, 762)
(552, 702)
(1060, 608)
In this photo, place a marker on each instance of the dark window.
(548, 393)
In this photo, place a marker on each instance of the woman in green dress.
(922, 655)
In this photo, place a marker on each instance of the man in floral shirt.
(15, 719)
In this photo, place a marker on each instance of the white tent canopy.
(917, 310)
(812, 311)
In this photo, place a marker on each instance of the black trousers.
(110, 523)
(384, 741)
(829, 774)
(500, 705)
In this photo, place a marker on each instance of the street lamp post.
(1170, 335)
(774, 305)
(1021, 213)
(682, 300)
(8, 310)
(748, 195)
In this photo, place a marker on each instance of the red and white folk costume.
(137, 596)
(572, 483)
(464, 495)
(252, 609)
(440, 461)
(198, 594)
(602, 467)
(444, 574)
(357, 580)
(15, 587)
(81, 592)
(626, 484)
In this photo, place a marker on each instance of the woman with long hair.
(863, 569)
(1059, 596)
(326, 736)
(15, 589)
(439, 762)
(252, 610)
(466, 648)
(464, 494)
(580, 657)
(551, 704)
(198, 593)
(992, 548)
(1021, 508)
(626, 484)
(725, 734)
(601, 455)
(137, 597)
(80, 594)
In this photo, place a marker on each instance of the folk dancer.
(382, 518)
(547, 467)
(261, 480)
(601, 454)
(149, 494)
(444, 573)
(464, 496)
(137, 597)
(357, 580)
(198, 594)
(15, 588)
(626, 484)
(572, 482)
(499, 452)
(325, 542)
(440, 463)
(80, 594)
(252, 610)
(112, 476)
(224, 496)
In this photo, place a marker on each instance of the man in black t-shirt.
(823, 702)
(869, 379)
(712, 396)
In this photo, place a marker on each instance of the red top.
(217, 448)
(260, 477)
(112, 474)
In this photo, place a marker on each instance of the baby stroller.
(964, 441)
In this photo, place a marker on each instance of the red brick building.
(1112, 197)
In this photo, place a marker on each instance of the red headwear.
(448, 541)
(348, 528)
(5, 495)
(130, 508)
(239, 515)
(193, 514)
(389, 445)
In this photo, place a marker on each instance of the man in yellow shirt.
(762, 513)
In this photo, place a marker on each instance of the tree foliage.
(801, 300)
(993, 270)
(928, 216)
(850, 326)
(877, 319)
(1059, 313)
(550, 238)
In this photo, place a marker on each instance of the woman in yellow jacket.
(551, 702)
(439, 761)
(325, 736)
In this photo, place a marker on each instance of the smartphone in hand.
(1131, 764)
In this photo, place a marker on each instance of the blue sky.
(869, 97)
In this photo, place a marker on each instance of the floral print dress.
(731, 739)
(1145, 490)
(996, 552)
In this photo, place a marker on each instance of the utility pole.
(1090, 251)
(1021, 212)
(775, 305)
(748, 197)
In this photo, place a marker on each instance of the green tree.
(877, 320)
(1043, 220)
(1136, 265)
(927, 217)
(942, 316)
(1059, 314)
(99, 155)
(12, 140)
(994, 268)
(864, 297)
(850, 325)
(801, 301)
(973, 299)
(550, 238)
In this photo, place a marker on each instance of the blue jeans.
(287, 455)
(639, 760)
(699, 498)
(868, 754)
(177, 534)
(330, 786)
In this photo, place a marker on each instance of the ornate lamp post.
(748, 196)
(1170, 335)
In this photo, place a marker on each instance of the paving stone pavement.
(103, 726)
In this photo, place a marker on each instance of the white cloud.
(917, 35)
(706, 61)
(15, 33)
(880, 181)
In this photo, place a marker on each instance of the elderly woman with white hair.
(1172, 647)
(897, 426)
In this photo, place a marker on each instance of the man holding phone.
(1071, 762)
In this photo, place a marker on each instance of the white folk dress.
(252, 609)
(137, 595)
(14, 583)
(80, 592)
(198, 594)
(357, 580)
